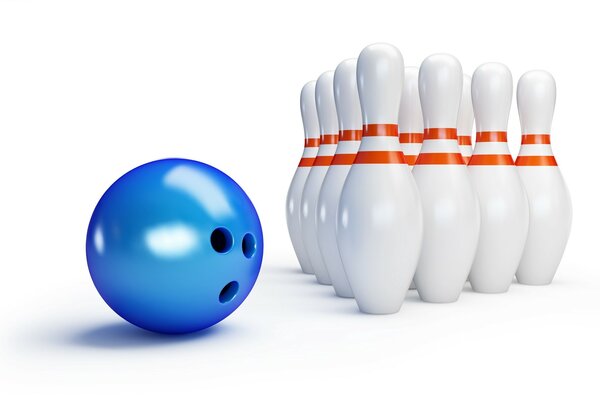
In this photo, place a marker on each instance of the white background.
(91, 89)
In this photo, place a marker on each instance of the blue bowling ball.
(174, 246)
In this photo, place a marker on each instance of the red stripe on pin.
(536, 161)
(411, 137)
(351, 134)
(439, 159)
(306, 162)
(491, 159)
(343, 159)
(410, 160)
(380, 130)
(323, 161)
(379, 157)
(312, 142)
(330, 138)
(464, 141)
(491, 136)
(440, 133)
(535, 139)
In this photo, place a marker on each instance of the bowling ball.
(174, 246)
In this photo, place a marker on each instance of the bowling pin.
(464, 123)
(410, 120)
(328, 125)
(379, 223)
(502, 199)
(450, 206)
(549, 201)
(350, 126)
(308, 110)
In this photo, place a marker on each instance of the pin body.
(550, 209)
(379, 221)
(310, 121)
(328, 125)
(502, 198)
(450, 205)
(350, 125)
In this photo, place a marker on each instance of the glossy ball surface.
(174, 246)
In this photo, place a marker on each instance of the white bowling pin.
(310, 121)
(328, 124)
(464, 124)
(410, 117)
(410, 120)
(450, 206)
(502, 199)
(379, 219)
(550, 209)
(350, 126)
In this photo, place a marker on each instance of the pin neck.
(327, 149)
(535, 156)
(411, 152)
(440, 133)
(311, 148)
(379, 145)
(491, 136)
(440, 147)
